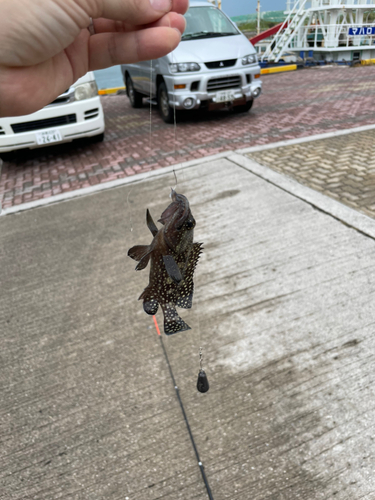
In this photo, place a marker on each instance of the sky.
(240, 7)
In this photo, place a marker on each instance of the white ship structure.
(327, 30)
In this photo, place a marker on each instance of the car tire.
(244, 107)
(166, 111)
(7, 156)
(135, 98)
(98, 138)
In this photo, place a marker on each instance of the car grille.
(91, 113)
(18, 128)
(221, 64)
(229, 82)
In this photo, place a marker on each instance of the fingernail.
(163, 5)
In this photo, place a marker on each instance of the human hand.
(46, 46)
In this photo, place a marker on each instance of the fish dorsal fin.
(150, 223)
(172, 268)
(186, 289)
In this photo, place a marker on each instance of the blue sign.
(363, 30)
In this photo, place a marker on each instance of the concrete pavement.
(284, 313)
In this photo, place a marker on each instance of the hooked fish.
(174, 257)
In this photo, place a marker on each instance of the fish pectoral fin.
(150, 223)
(142, 254)
(143, 262)
(138, 252)
(172, 268)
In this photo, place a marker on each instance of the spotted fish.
(173, 257)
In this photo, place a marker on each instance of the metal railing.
(282, 37)
(332, 36)
(317, 4)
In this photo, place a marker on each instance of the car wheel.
(98, 138)
(8, 156)
(135, 98)
(244, 108)
(167, 113)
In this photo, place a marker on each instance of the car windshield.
(207, 22)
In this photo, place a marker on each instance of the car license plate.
(48, 136)
(225, 96)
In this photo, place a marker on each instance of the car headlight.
(184, 67)
(85, 91)
(251, 59)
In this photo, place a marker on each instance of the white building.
(331, 30)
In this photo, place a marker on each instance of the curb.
(114, 90)
(278, 69)
(347, 215)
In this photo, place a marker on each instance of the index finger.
(137, 12)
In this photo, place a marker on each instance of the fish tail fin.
(142, 254)
(172, 321)
(150, 304)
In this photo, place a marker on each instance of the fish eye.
(190, 223)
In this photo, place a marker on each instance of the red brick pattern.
(294, 104)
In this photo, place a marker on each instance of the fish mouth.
(181, 200)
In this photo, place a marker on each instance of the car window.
(207, 22)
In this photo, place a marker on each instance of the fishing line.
(202, 383)
(150, 145)
(129, 208)
(200, 464)
(175, 178)
(150, 106)
(175, 120)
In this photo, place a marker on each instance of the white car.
(215, 66)
(76, 113)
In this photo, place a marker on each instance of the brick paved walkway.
(292, 105)
(341, 167)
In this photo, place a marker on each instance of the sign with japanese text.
(363, 30)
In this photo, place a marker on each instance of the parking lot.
(295, 104)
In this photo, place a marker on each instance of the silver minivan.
(215, 66)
